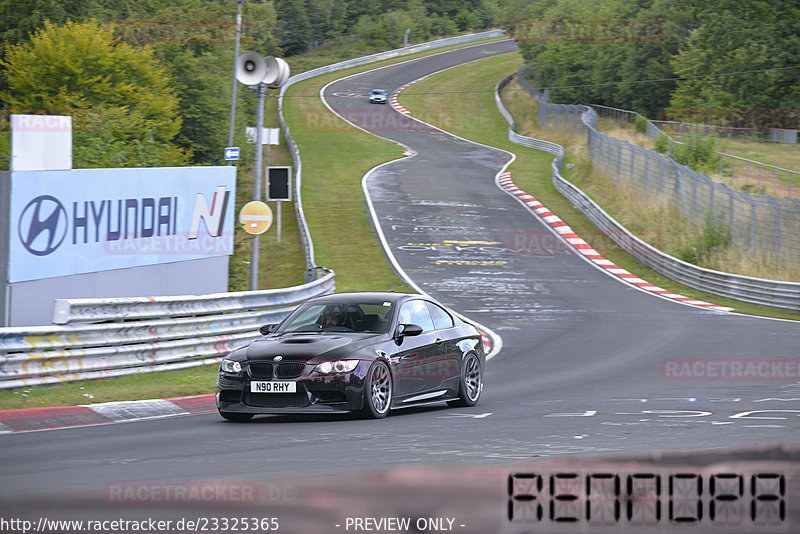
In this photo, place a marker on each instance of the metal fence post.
(752, 223)
(646, 165)
(777, 225)
(775, 182)
(730, 212)
(711, 199)
(633, 161)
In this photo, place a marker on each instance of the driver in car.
(334, 317)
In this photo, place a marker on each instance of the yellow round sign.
(256, 217)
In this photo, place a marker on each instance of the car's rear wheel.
(377, 391)
(471, 382)
(236, 417)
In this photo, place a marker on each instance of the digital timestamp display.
(642, 500)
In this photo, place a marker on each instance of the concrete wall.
(31, 303)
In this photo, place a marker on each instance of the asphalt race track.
(587, 365)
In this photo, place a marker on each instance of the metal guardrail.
(305, 234)
(100, 338)
(772, 293)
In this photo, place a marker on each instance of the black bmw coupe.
(354, 352)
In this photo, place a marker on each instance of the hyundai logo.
(277, 358)
(45, 220)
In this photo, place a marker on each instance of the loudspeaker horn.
(273, 70)
(282, 73)
(251, 68)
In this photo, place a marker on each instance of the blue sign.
(231, 153)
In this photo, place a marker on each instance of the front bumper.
(315, 394)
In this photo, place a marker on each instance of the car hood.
(304, 347)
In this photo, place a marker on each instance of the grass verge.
(470, 87)
(194, 381)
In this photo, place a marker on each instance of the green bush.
(662, 144)
(5, 148)
(715, 236)
(697, 152)
(754, 189)
(641, 124)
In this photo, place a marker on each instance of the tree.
(766, 38)
(294, 29)
(119, 95)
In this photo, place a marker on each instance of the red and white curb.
(393, 100)
(583, 248)
(46, 418)
(486, 340)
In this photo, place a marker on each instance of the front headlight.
(339, 366)
(230, 366)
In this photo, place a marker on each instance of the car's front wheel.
(471, 382)
(377, 391)
(236, 417)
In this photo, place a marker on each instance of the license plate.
(273, 387)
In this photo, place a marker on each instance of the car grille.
(289, 370)
(266, 370)
(260, 370)
(277, 400)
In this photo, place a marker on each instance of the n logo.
(213, 219)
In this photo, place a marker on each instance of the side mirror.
(266, 329)
(405, 330)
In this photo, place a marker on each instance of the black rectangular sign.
(278, 181)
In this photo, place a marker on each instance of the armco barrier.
(772, 293)
(111, 337)
(305, 235)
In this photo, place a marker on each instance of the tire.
(236, 417)
(378, 390)
(471, 385)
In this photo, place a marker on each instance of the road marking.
(587, 413)
(742, 415)
(466, 415)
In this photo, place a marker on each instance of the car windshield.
(378, 92)
(370, 316)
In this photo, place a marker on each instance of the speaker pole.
(261, 89)
(278, 202)
(239, 5)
